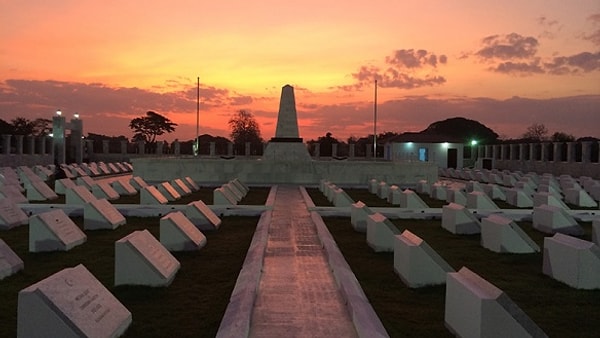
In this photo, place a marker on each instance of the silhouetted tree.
(562, 137)
(6, 128)
(148, 127)
(41, 127)
(244, 128)
(536, 132)
(22, 126)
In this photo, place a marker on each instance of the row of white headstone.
(335, 195)
(527, 190)
(474, 307)
(230, 193)
(395, 195)
(164, 192)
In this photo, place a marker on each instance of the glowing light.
(409, 144)
(76, 116)
(445, 144)
(51, 135)
(58, 112)
(473, 142)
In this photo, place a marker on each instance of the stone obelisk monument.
(287, 144)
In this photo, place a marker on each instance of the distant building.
(444, 151)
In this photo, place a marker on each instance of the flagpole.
(197, 150)
(375, 124)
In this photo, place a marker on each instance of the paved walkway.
(297, 295)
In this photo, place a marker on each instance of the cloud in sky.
(518, 55)
(406, 69)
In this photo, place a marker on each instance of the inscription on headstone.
(100, 214)
(140, 259)
(53, 231)
(11, 215)
(10, 263)
(70, 303)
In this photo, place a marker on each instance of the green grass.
(558, 309)
(193, 305)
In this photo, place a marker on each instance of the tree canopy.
(148, 127)
(536, 132)
(244, 128)
(463, 129)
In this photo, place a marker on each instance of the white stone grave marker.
(10, 263)
(500, 234)
(150, 195)
(11, 215)
(417, 263)
(61, 185)
(105, 190)
(123, 187)
(140, 259)
(518, 198)
(167, 190)
(459, 220)
(38, 190)
(381, 232)
(181, 187)
(53, 231)
(191, 183)
(580, 198)
(476, 308)
(410, 200)
(13, 193)
(178, 233)
(78, 195)
(242, 187)
(572, 261)
(341, 198)
(70, 303)
(100, 214)
(551, 219)
(223, 197)
(479, 200)
(202, 216)
(86, 181)
(541, 198)
(138, 183)
(359, 212)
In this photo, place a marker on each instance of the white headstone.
(10, 263)
(138, 183)
(438, 192)
(201, 216)
(417, 263)
(423, 187)
(341, 198)
(11, 215)
(223, 197)
(86, 181)
(100, 214)
(580, 198)
(572, 261)
(373, 185)
(383, 190)
(150, 195)
(78, 195)
(38, 190)
(178, 233)
(551, 219)
(394, 195)
(181, 187)
(381, 232)
(494, 192)
(167, 190)
(140, 259)
(53, 231)
(105, 190)
(500, 234)
(70, 303)
(113, 168)
(359, 212)
(479, 200)
(233, 190)
(541, 198)
(459, 220)
(473, 186)
(454, 195)
(243, 187)
(518, 198)
(61, 185)
(123, 187)
(13, 192)
(410, 200)
(191, 183)
(476, 308)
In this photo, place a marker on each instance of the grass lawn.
(559, 310)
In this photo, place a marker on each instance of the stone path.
(297, 295)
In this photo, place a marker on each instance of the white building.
(445, 152)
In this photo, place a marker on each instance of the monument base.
(286, 151)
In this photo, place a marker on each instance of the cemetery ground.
(193, 304)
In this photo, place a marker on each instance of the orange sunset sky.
(506, 64)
